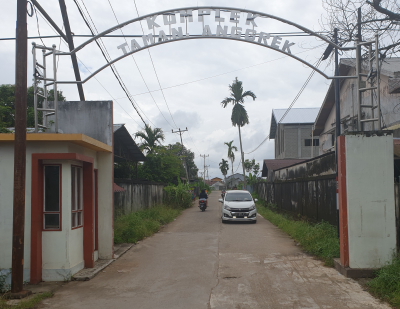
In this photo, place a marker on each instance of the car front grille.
(240, 210)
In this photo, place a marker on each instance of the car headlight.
(252, 207)
(227, 207)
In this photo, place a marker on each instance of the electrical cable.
(293, 102)
(37, 23)
(213, 76)
(113, 68)
(154, 68)
(137, 66)
(95, 78)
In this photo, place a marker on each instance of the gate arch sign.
(216, 23)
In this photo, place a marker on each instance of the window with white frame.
(76, 197)
(52, 193)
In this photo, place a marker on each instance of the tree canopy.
(7, 107)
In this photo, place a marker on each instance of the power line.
(140, 72)
(95, 77)
(113, 68)
(154, 68)
(213, 76)
(293, 102)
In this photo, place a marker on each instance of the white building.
(68, 197)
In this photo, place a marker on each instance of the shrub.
(143, 223)
(178, 196)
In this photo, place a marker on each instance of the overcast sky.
(194, 73)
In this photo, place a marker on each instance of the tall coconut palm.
(224, 167)
(231, 154)
(239, 114)
(150, 138)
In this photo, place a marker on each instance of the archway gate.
(239, 25)
(169, 26)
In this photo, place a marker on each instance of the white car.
(238, 205)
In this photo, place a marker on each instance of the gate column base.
(354, 273)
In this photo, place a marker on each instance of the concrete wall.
(92, 118)
(137, 195)
(370, 200)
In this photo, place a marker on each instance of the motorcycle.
(202, 204)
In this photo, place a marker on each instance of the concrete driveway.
(198, 262)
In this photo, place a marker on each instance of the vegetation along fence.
(137, 195)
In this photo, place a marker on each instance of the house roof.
(295, 115)
(117, 188)
(237, 176)
(125, 148)
(275, 164)
(388, 68)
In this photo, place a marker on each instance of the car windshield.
(239, 197)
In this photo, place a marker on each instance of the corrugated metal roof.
(295, 115)
(275, 164)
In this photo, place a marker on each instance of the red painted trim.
(112, 180)
(96, 209)
(50, 212)
(36, 220)
(37, 208)
(88, 214)
(343, 225)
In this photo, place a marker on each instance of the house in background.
(269, 166)
(215, 179)
(234, 180)
(293, 135)
(325, 122)
(69, 193)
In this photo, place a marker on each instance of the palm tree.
(231, 154)
(150, 138)
(224, 167)
(239, 114)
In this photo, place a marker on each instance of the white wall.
(62, 250)
(105, 204)
(370, 200)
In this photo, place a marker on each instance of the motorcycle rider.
(203, 194)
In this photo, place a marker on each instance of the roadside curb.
(89, 273)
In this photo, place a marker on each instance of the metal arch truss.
(183, 16)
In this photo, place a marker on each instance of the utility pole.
(337, 128)
(21, 63)
(204, 156)
(183, 160)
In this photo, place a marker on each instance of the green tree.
(151, 138)
(256, 169)
(162, 165)
(188, 156)
(239, 116)
(7, 107)
(224, 167)
(249, 165)
(231, 154)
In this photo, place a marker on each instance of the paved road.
(198, 262)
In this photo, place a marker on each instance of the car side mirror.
(221, 200)
(255, 200)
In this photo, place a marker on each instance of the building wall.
(390, 107)
(290, 142)
(62, 251)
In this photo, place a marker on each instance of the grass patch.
(386, 285)
(26, 304)
(318, 239)
(143, 223)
